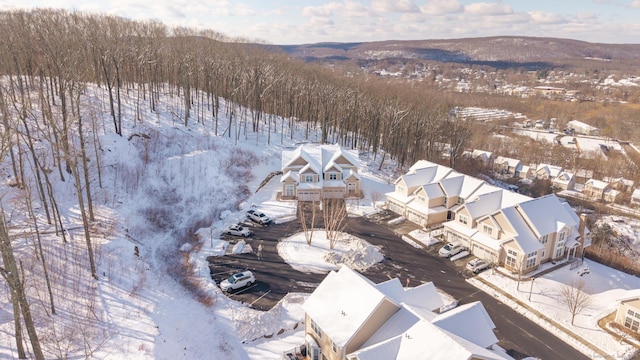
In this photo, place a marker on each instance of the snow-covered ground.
(162, 203)
(587, 144)
(605, 286)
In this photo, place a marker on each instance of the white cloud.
(394, 6)
(441, 7)
(483, 8)
(635, 4)
(542, 17)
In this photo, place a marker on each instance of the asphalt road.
(518, 335)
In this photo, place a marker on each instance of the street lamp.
(531, 288)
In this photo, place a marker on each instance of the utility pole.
(531, 289)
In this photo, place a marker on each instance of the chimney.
(581, 230)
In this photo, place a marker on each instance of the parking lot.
(275, 278)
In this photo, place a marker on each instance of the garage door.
(396, 208)
(483, 252)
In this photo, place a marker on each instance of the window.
(316, 329)
(400, 189)
(487, 229)
(422, 198)
(288, 190)
(460, 201)
(531, 260)
(544, 239)
(334, 347)
(512, 257)
(631, 323)
(308, 178)
(542, 254)
(463, 219)
(333, 176)
(560, 245)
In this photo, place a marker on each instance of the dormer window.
(308, 178)
(333, 176)
(487, 229)
(463, 219)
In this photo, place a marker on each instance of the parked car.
(258, 216)
(237, 230)
(584, 270)
(477, 265)
(237, 281)
(450, 250)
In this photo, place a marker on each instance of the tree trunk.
(12, 276)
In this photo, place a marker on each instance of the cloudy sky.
(309, 21)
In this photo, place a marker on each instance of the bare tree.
(334, 213)
(575, 296)
(307, 227)
(14, 278)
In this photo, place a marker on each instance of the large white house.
(350, 317)
(498, 225)
(316, 172)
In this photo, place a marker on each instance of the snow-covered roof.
(580, 124)
(459, 228)
(563, 177)
(526, 239)
(471, 322)
(431, 191)
(636, 194)
(290, 175)
(492, 199)
(318, 159)
(509, 161)
(401, 198)
(597, 184)
(551, 170)
(487, 241)
(484, 155)
(547, 214)
(406, 336)
(342, 303)
(345, 300)
(425, 175)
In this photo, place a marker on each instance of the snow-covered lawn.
(606, 287)
(319, 258)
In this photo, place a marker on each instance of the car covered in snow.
(237, 230)
(450, 250)
(258, 216)
(477, 265)
(237, 281)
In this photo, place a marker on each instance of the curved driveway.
(517, 334)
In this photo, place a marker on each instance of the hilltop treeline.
(59, 52)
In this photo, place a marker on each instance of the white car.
(477, 265)
(258, 216)
(237, 281)
(237, 230)
(450, 250)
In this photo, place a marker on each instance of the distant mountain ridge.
(487, 50)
